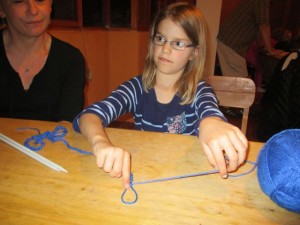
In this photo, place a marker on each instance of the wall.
(211, 10)
(112, 56)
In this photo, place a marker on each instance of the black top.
(281, 102)
(56, 92)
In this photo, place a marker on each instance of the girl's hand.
(224, 144)
(113, 160)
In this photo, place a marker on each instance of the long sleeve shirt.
(151, 115)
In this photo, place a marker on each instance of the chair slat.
(237, 92)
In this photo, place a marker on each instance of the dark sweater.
(56, 92)
(281, 102)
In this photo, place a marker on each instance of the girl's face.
(168, 60)
(26, 17)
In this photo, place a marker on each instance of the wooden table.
(31, 193)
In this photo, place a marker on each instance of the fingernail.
(225, 176)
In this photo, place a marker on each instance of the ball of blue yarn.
(278, 169)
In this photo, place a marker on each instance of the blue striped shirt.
(149, 114)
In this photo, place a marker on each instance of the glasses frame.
(172, 43)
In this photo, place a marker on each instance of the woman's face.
(168, 60)
(26, 17)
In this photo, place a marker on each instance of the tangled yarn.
(37, 142)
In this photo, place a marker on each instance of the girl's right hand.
(113, 160)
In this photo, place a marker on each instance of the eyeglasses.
(177, 45)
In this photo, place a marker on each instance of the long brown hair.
(191, 20)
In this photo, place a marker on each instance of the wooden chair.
(234, 92)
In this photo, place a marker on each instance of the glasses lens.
(159, 40)
(178, 45)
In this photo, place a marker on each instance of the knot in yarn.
(37, 142)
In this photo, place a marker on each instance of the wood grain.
(31, 193)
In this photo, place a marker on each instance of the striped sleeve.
(122, 100)
(206, 103)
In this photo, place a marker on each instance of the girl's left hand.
(224, 144)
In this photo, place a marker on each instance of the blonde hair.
(191, 20)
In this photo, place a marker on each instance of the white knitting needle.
(32, 154)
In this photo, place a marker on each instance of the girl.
(170, 97)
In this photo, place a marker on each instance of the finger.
(116, 170)
(240, 144)
(100, 158)
(233, 158)
(126, 170)
(243, 139)
(218, 155)
(209, 155)
(109, 162)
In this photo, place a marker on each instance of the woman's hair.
(191, 20)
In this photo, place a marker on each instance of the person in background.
(295, 41)
(263, 63)
(170, 96)
(281, 102)
(253, 59)
(41, 77)
(282, 37)
(239, 31)
(281, 40)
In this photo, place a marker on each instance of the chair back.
(237, 92)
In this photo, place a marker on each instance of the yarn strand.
(36, 142)
(178, 177)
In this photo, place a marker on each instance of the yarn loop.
(134, 192)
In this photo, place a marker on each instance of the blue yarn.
(279, 169)
(177, 177)
(57, 135)
(134, 191)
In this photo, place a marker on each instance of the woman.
(41, 76)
